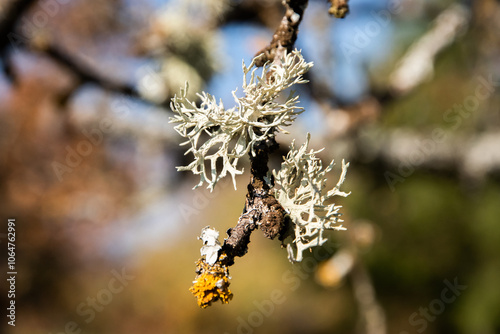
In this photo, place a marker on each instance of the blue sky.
(339, 60)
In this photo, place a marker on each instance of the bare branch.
(10, 17)
(87, 75)
(9, 20)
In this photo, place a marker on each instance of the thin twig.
(87, 75)
(286, 34)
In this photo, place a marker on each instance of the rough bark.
(262, 210)
(286, 34)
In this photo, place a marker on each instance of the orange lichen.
(211, 284)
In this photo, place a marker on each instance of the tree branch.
(8, 23)
(262, 210)
(7, 26)
(84, 74)
(286, 34)
(87, 75)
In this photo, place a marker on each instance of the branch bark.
(286, 34)
(262, 210)
(8, 23)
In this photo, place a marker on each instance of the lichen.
(211, 244)
(295, 202)
(232, 133)
(338, 8)
(211, 283)
(301, 190)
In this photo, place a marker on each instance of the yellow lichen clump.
(338, 8)
(211, 284)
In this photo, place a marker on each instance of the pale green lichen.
(232, 133)
(301, 190)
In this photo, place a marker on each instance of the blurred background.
(405, 90)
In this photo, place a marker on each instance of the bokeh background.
(405, 90)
